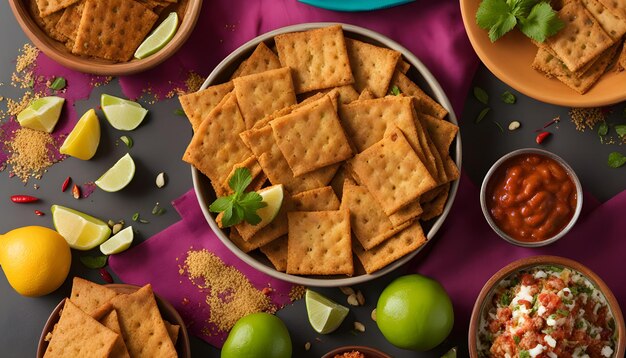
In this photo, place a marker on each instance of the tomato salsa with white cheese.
(531, 197)
(547, 312)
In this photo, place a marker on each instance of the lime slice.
(123, 114)
(118, 242)
(81, 231)
(325, 315)
(273, 197)
(42, 114)
(83, 140)
(118, 176)
(450, 354)
(159, 37)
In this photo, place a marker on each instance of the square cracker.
(47, 7)
(276, 252)
(435, 207)
(612, 24)
(617, 7)
(319, 243)
(216, 146)
(403, 243)
(48, 23)
(253, 167)
(320, 199)
(407, 213)
(261, 60)
(264, 93)
(285, 111)
(426, 104)
(70, 19)
(113, 29)
(583, 83)
(318, 58)
(198, 105)
(79, 335)
(392, 172)
(172, 331)
(442, 134)
(368, 222)
(372, 66)
(581, 40)
(142, 327)
(311, 137)
(622, 58)
(89, 296)
(366, 94)
(403, 66)
(111, 322)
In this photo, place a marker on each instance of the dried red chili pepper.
(23, 199)
(76, 191)
(39, 213)
(541, 137)
(106, 276)
(66, 184)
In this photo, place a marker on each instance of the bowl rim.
(542, 260)
(86, 64)
(439, 95)
(183, 340)
(570, 172)
(370, 351)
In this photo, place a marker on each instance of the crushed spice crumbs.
(29, 153)
(587, 118)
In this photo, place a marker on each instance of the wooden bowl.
(59, 53)
(168, 312)
(367, 351)
(484, 297)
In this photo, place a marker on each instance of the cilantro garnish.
(536, 19)
(240, 205)
(524, 354)
(505, 299)
(516, 339)
(616, 160)
(395, 91)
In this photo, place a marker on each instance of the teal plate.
(355, 5)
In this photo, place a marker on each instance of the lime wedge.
(325, 315)
(159, 37)
(118, 242)
(123, 114)
(273, 197)
(81, 231)
(83, 140)
(118, 176)
(450, 354)
(42, 114)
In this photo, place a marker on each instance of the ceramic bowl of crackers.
(355, 129)
(106, 37)
(115, 320)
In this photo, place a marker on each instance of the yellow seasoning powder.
(29, 153)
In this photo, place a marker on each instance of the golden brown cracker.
(442, 133)
(407, 213)
(617, 7)
(392, 172)
(320, 199)
(311, 137)
(423, 150)
(172, 331)
(47, 24)
(338, 180)
(285, 111)
(612, 24)
(366, 94)
(319, 243)
(70, 20)
(89, 296)
(253, 167)
(403, 66)
(318, 58)
(276, 252)
(47, 7)
(264, 93)
(392, 249)
(111, 322)
(372, 66)
(426, 104)
(434, 207)
(261, 60)
(242, 244)
(582, 84)
(198, 105)
(78, 335)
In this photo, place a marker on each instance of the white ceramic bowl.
(418, 73)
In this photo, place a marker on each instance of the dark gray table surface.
(159, 144)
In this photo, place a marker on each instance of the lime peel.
(121, 113)
(159, 37)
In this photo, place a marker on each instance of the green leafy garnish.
(499, 126)
(516, 339)
(157, 210)
(620, 129)
(94, 262)
(616, 160)
(508, 98)
(481, 95)
(482, 114)
(135, 216)
(58, 84)
(239, 206)
(562, 312)
(536, 19)
(524, 354)
(505, 299)
(603, 129)
(395, 91)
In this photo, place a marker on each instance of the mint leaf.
(508, 98)
(616, 160)
(221, 204)
(603, 129)
(481, 95)
(240, 180)
(541, 23)
(620, 129)
(94, 262)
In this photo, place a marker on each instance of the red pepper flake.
(20, 199)
(106, 276)
(266, 291)
(66, 184)
(555, 120)
(76, 191)
(11, 174)
(542, 137)
(39, 213)
(185, 301)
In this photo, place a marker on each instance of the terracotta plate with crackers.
(511, 59)
(356, 130)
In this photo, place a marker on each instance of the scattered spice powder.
(587, 118)
(29, 153)
(230, 295)
(193, 82)
(297, 292)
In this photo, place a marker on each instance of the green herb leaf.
(144, 221)
(562, 312)
(127, 140)
(620, 129)
(516, 339)
(157, 210)
(499, 126)
(58, 84)
(497, 17)
(524, 354)
(179, 112)
(240, 180)
(482, 114)
(603, 129)
(94, 262)
(508, 98)
(541, 23)
(481, 95)
(135, 216)
(240, 205)
(395, 91)
(505, 299)
(616, 160)
(221, 204)
(31, 83)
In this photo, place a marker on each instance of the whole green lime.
(414, 312)
(259, 335)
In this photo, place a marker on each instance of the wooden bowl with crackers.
(306, 107)
(119, 319)
(101, 37)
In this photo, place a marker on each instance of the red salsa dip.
(531, 197)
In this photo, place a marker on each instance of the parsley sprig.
(535, 18)
(240, 205)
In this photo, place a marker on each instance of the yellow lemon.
(35, 260)
(83, 140)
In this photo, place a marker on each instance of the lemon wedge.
(83, 140)
(81, 231)
(42, 114)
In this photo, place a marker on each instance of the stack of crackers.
(588, 46)
(361, 168)
(111, 29)
(96, 321)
